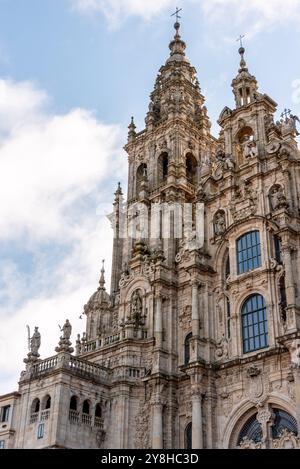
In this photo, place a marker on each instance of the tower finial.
(177, 24)
(241, 52)
(132, 132)
(102, 279)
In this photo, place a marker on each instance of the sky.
(72, 73)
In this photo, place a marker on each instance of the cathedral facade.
(198, 343)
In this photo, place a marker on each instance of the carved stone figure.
(277, 198)
(67, 330)
(219, 223)
(222, 348)
(249, 147)
(35, 342)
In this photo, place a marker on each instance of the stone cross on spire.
(240, 38)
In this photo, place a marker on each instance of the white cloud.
(55, 174)
(251, 15)
(116, 11)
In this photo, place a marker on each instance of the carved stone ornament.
(219, 223)
(277, 198)
(249, 444)
(287, 440)
(142, 435)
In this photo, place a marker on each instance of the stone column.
(157, 422)
(289, 278)
(197, 431)
(294, 349)
(158, 329)
(195, 309)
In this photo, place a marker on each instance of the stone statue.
(35, 342)
(67, 330)
(136, 306)
(228, 162)
(222, 348)
(277, 198)
(219, 223)
(249, 147)
(78, 345)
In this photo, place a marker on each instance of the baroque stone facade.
(197, 346)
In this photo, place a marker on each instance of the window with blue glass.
(248, 252)
(254, 324)
(40, 432)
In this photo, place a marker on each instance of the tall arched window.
(254, 324)
(163, 162)
(191, 168)
(283, 420)
(86, 407)
(188, 436)
(73, 403)
(187, 348)
(35, 406)
(46, 402)
(98, 411)
(248, 252)
(251, 430)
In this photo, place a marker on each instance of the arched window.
(254, 324)
(35, 406)
(187, 348)
(163, 162)
(46, 402)
(86, 407)
(282, 298)
(227, 266)
(277, 249)
(283, 420)
(191, 168)
(73, 403)
(188, 436)
(98, 411)
(251, 430)
(248, 252)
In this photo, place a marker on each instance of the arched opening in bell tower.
(162, 167)
(191, 168)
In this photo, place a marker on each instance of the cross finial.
(240, 38)
(176, 13)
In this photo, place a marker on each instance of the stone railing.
(85, 368)
(44, 365)
(34, 417)
(97, 344)
(68, 362)
(99, 422)
(73, 416)
(45, 414)
(128, 373)
(86, 419)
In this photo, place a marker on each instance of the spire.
(102, 279)
(132, 132)
(119, 190)
(177, 46)
(244, 84)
